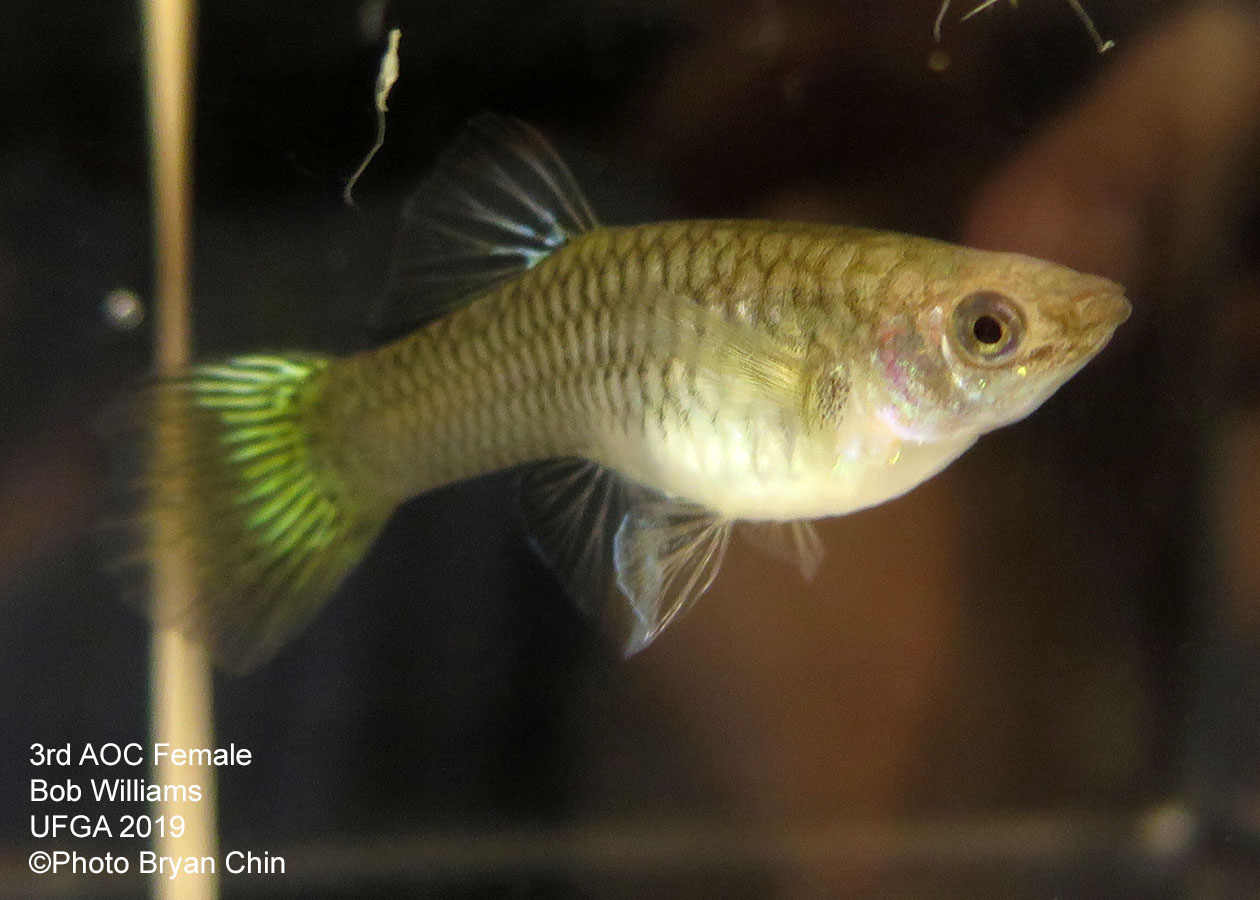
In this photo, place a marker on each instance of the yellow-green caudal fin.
(232, 491)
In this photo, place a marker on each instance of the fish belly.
(760, 469)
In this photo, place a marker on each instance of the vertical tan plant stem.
(181, 710)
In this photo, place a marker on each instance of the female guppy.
(666, 381)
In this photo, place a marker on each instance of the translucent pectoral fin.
(629, 558)
(796, 543)
(735, 365)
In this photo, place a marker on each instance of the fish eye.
(988, 330)
(987, 326)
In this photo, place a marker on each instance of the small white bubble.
(938, 61)
(123, 309)
(1169, 830)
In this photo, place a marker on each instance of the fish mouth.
(1103, 313)
(1104, 307)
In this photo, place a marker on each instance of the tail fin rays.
(235, 481)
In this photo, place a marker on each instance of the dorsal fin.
(497, 201)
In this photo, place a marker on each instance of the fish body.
(666, 380)
(579, 356)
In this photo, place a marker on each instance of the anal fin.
(795, 543)
(628, 556)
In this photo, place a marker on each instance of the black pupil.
(987, 330)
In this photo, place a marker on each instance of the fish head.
(974, 340)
